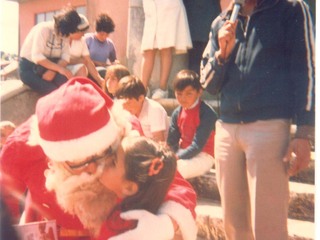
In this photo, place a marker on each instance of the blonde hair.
(119, 70)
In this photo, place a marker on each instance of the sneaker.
(159, 93)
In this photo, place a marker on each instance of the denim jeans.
(30, 78)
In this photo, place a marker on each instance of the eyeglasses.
(97, 160)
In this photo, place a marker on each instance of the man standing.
(262, 65)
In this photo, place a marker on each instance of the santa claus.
(58, 156)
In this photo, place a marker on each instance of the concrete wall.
(17, 101)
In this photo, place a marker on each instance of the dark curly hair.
(104, 23)
(66, 21)
(140, 155)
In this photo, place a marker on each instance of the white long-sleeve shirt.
(42, 42)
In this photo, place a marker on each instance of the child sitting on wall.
(191, 132)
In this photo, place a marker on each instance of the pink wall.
(118, 11)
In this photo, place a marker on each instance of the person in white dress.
(166, 30)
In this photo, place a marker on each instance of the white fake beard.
(81, 195)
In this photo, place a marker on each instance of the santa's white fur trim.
(81, 148)
(183, 217)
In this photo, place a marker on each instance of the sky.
(9, 25)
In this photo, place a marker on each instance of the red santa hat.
(74, 121)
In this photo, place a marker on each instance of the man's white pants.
(252, 178)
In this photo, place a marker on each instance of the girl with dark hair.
(45, 52)
(140, 174)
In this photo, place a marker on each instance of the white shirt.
(42, 42)
(153, 118)
(79, 48)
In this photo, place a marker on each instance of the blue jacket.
(271, 71)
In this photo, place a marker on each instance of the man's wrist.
(306, 132)
(220, 60)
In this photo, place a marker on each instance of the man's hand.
(226, 39)
(302, 150)
(150, 226)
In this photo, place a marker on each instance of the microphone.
(206, 70)
(237, 4)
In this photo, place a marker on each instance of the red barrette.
(156, 166)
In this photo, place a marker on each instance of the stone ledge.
(210, 226)
(10, 88)
(17, 101)
(307, 175)
(301, 203)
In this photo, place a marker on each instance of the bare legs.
(165, 66)
(166, 63)
(83, 71)
(147, 66)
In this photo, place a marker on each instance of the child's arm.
(207, 121)
(174, 133)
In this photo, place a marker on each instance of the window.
(48, 16)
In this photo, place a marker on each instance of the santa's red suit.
(22, 168)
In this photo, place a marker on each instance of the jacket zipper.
(244, 29)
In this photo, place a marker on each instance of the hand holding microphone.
(237, 4)
(227, 34)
